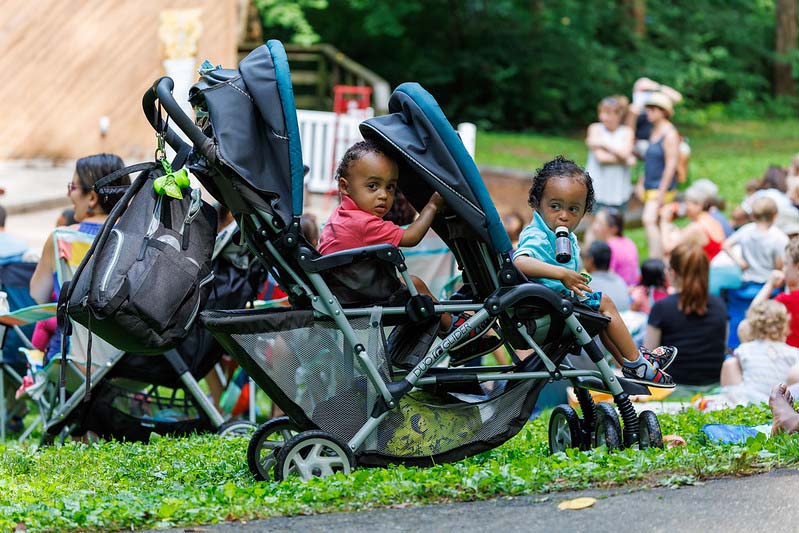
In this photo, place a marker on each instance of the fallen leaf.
(576, 504)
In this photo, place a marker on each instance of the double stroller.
(352, 394)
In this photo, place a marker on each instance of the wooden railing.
(316, 69)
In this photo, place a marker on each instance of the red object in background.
(344, 94)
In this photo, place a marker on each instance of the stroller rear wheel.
(564, 429)
(313, 454)
(649, 434)
(608, 428)
(266, 443)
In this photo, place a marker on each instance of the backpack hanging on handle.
(148, 272)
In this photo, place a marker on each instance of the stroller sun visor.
(254, 122)
(417, 128)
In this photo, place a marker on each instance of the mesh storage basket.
(305, 365)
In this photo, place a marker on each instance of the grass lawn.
(204, 479)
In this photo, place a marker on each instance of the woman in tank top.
(660, 168)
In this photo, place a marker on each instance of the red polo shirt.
(350, 227)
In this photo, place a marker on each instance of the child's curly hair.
(768, 320)
(560, 167)
(355, 152)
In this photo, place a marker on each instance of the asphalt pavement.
(763, 502)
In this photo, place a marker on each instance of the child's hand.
(777, 278)
(574, 281)
(667, 213)
(437, 201)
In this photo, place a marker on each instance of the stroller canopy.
(437, 159)
(256, 138)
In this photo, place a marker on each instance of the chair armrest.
(383, 252)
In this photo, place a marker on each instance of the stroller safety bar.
(162, 91)
(384, 252)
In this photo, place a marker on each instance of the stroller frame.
(498, 287)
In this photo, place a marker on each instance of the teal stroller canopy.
(436, 159)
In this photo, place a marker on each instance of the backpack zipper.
(191, 214)
(114, 259)
(207, 279)
(155, 221)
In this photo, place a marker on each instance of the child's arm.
(535, 268)
(776, 279)
(418, 228)
(728, 247)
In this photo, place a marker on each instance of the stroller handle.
(162, 91)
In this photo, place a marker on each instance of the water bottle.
(563, 246)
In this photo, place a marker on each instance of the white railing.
(326, 136)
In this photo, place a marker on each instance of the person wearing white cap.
(660, 167)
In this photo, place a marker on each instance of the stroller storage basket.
(122, 413)
(305, 366)
(304, 363)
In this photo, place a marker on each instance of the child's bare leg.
(611, 348)
(619, 340)
(785, 416)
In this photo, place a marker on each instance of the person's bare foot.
(785, 416)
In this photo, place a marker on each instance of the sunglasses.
(72, 187)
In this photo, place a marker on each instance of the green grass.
(204, 479)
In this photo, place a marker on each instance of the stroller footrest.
(596, 384)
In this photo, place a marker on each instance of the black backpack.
(148, 272)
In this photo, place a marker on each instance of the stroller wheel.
(649, 434)
(608, 428)
(266, 443)
(564, 429)
(236, 428)
(313, 454)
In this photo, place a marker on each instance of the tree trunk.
(636, 10)
(784, 44)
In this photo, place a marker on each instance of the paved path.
(765, 502)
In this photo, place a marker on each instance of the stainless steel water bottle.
(563, 246)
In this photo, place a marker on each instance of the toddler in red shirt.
(367, 180)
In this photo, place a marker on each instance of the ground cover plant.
(204, 479)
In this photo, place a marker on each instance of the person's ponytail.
(690, 263)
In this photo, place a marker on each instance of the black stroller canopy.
(420, 133)
(255, 124)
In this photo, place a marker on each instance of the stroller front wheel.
(313, 454)
(564, 429)
(266, 443)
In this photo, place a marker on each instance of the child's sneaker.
(475, 344)
(661, 357)
(638, 374)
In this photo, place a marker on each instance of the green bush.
(543, 66)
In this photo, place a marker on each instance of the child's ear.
(343, 186)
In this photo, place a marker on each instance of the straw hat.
(662, 101)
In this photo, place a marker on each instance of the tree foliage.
(544, 64)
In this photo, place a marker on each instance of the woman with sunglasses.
(91, 210)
